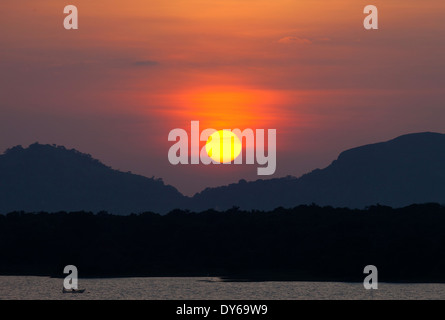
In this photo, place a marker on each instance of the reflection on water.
(21, 287)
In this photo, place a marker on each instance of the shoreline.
(234, 278)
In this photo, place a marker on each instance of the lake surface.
(27, 287)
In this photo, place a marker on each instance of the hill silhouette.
(406, 170)
(53, 178)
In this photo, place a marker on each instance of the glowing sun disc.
(223, 146)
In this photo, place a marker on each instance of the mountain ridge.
(53, 178)
(398, 172)
(321, 186)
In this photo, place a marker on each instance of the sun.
(223, 146)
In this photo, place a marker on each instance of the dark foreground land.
(303, 243)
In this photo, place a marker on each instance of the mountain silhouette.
(52, 178)
(406, 170)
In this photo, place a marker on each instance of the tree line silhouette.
(302, 243)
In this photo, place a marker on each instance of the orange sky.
(136, 69)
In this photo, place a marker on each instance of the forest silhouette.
(302, 243)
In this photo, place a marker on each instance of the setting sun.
(223, 146)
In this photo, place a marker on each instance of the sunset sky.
(136, 69)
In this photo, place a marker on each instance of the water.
(26, 287)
